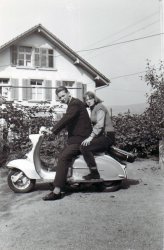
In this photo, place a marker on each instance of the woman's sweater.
(101, 120)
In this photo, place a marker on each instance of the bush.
(135, 133)
(19, 122)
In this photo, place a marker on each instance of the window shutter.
(50, 58)
(79, 91)
(84, 88)
(37, 57)
(43, 53)
(14, 89)
(48, 90)
(13, 50)
(26, 90)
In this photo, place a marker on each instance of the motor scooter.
(24, 173)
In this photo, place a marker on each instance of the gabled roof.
(99, 78)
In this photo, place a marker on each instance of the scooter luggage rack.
(121, 155)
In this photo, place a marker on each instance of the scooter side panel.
(25, 166)
(109, 168)
(80, 169)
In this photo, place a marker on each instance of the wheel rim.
(22, 183)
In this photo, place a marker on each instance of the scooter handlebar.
(44, 130)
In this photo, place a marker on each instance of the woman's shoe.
(91, 176)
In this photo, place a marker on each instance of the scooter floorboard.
(86, 181)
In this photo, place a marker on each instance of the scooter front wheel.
(19, 182)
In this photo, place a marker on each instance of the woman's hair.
(92, 95)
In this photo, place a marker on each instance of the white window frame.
(44, 53)
(26, 62)
(66, 83)
(4, 87)
(37, 92)
(23, 56)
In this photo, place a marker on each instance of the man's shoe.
(91, 176)
(52, 196)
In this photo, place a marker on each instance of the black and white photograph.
(82, 125)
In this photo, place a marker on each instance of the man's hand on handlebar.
(44, 130)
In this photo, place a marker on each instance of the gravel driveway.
(129, 219)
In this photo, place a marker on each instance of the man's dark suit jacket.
(76, 121)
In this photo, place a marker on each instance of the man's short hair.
(61, 88)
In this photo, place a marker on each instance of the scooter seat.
(95, 154)
(99, 153)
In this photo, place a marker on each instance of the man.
(77, 122)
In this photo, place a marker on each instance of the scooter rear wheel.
(100, 187)
(112, 186)
(21, 185)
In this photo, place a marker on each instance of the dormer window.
(44, 58)
(24, 56)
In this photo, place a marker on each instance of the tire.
(23, 184)
(100, 187)
(112, 186)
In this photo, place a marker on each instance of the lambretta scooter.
(24, 173)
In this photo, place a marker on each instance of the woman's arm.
(97, 128)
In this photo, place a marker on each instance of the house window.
(4, 89)
(37, 90)
(67, 84)
(32, 57)
(24, 56)
(44, 58)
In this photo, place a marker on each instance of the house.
(34, 63)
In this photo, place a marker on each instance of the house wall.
(64, 69)
(4, 59)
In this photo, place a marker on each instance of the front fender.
(25, 166)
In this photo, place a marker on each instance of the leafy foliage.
(134, 133)
(143, 132)
(20, 121)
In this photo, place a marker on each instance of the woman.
(102, 135)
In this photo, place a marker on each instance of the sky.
(113, 31)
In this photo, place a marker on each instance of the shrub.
(143, 132)
(135, 133)
(19, 122)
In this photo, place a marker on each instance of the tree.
(155, 112)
